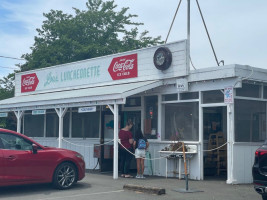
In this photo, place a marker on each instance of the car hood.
(59, 149)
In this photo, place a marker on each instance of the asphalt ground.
(103, 187)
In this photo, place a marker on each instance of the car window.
(1, 144)
(14, 142)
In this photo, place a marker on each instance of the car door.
(16, 154)
(44, 162)
(22, 165)
(2, 164)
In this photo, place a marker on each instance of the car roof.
(9, 131)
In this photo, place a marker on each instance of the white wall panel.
(243, 161)
(84, 147)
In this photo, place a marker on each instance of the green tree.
(7, 91)
(100, 30)
(7, 86)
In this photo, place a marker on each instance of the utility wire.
(12, 58)
(207, 33)
(192, 62)
(173, 21)
(171, 28)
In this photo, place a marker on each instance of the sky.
(238, 29)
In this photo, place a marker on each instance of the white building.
(73, 106)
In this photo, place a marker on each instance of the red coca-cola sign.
(29, 82)
(123, 67)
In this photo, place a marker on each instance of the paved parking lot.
(103, 187)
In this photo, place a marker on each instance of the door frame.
(201, 136)
(223, 127)
(105, 165)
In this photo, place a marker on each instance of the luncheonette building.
(219, 112)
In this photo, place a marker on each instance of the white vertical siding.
(84, 147)
(243, 160)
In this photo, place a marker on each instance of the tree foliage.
(7, 87)
(7, 91)
(100, 30)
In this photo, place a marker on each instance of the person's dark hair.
(139, 134)
(129, 122)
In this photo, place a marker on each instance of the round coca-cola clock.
(162, 58)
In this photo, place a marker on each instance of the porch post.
(201, 141)
(115, 153)
(115, 112)
(230, 144)
(60, 112)
(19, 115)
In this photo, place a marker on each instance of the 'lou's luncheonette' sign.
(120, 68)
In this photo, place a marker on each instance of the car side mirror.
(34, 148)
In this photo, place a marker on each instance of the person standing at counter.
(140, 145)
(126, 139)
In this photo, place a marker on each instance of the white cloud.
(29, 15)
(237, 28)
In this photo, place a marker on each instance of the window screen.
(52, 124)
(214, 96)
(34, 125)
(170, 97)
(151, 117)
(250, 121)
(181, 121)
(85, 125)
(249, 90)
(189, 95)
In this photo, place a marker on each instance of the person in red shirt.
(126, 139)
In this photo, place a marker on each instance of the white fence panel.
(82, 146)
(243, 160)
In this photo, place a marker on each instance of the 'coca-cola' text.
(123, 66)
(28, 81)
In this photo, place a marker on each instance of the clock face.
(162, 58)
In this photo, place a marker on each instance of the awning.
(79, 97)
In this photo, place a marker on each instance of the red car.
(24, 161)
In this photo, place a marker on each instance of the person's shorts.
(140, 153)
